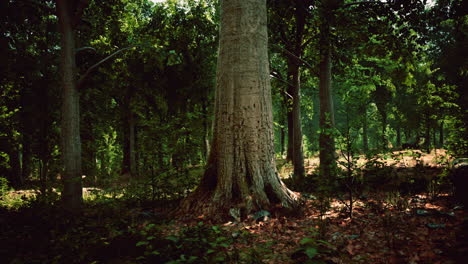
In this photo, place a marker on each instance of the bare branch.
(85, 48)
(90, 69)
(364, 3)
(289, 53)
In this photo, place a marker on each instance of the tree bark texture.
(441, 134)
(327, 153)
(129, 137)
(365, 132)
(295, 132)
(295, 146)
(70, 124)
(241, 173)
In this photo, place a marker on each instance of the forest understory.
(388, 225)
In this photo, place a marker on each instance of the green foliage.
(3, 186)
(312, 247)
(196, 244)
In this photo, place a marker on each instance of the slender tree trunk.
(206, 131)
(289, 151)
(398, 136)
(295, 147)
(365, 133)
(441, 135)
(70, 134)
(297, 153)
(241, 173)
(132, 143)
(15, 163)
(427, 136)
(128, 123)
(327, 120)
(26, 160)
(282, 140)
(384, 130)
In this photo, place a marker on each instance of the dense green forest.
(233, 131)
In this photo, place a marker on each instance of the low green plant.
(3, 186)
(312, 247)
(196, 244)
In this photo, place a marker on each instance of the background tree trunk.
(365, 132)
(241, 173)
(327, 120)
(295, 146)
(70, 133)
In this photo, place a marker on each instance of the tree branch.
(90, 69)
(364, 2)
(85, 48)
(289, 53)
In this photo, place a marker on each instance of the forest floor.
(386, 227)
(397, 158)
(387, 230)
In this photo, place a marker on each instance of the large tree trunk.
(327, 120)
(241, 173)
(70, 134)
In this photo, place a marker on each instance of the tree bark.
(241, 172)
(327, 153)
(398, 135)
(365, 132)
(70, 124)
(129, 137)
(441, 135)
(295, 146)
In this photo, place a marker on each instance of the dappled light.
(233, 131)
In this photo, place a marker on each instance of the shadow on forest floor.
(387, 226)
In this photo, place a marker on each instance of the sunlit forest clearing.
(233, 131)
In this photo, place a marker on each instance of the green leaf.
(311, 252)
(306, 241)
(142, 243)
(172, 238)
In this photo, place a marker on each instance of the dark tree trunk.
(427, 136)
(206, 129)
(327, 120)
(289, 151)
(282, 140)
(398, 136)
(129, 160)
(15, 173)
(295, 148)
(129, 137)
(26, 160)
(70, 124)
(294, 121)
(365, 133)
(384, 130)
(441, 135)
